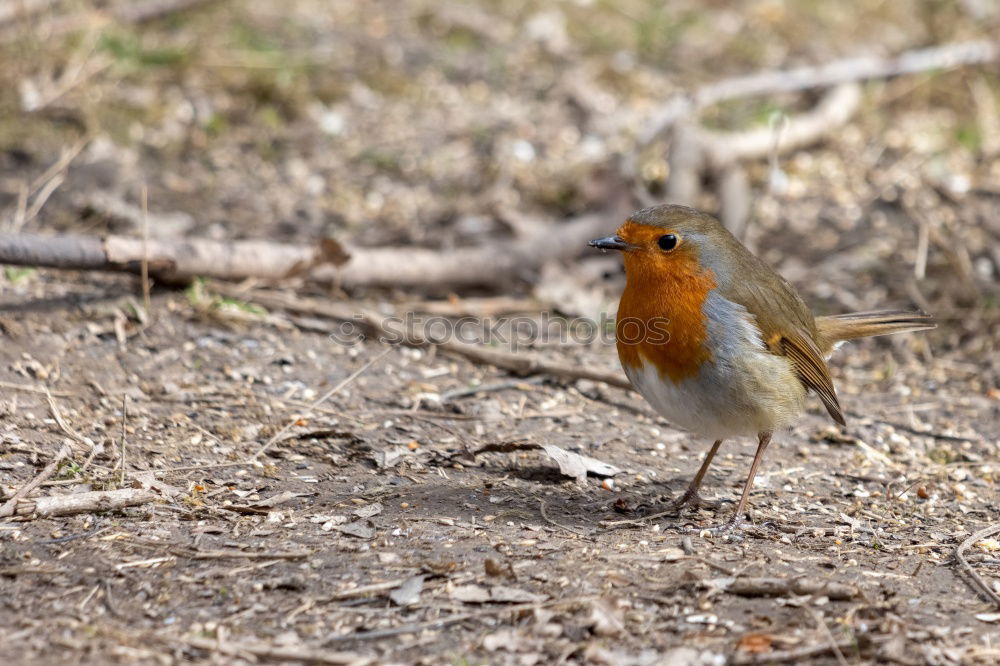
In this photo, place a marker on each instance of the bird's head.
(672, 241)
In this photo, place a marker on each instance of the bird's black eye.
(667, 242)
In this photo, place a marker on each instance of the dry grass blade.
(65, 427)
(323, 398)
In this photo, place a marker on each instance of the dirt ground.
(367, 531)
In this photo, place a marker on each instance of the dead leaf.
(988, 617)
(147, 481)
(470, 594)
(513, 595)
(389, 457)
(682, 656)
(504, 639)
(577, 465)
(368, 511)
(672, 554)
(331, 251)
(359, 528)
(408, 593)
(756, 643)
(493, 568)
(280, 498)
(605, 618)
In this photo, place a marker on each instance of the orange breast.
(660, 318)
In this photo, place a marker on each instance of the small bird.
(716, 341)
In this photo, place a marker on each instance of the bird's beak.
(609, 243)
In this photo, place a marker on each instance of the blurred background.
(450, 124)
(472, 148)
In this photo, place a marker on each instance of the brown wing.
(786, 324)
(811, 369)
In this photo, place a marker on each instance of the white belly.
(742, 390)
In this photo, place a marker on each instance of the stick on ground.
(9, 507)
(377, 325)
(68, 505)
(323, 398)
(976, 579)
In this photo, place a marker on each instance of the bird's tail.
(838, 328)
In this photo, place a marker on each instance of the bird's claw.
(695, 501)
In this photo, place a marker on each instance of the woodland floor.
(384, 540)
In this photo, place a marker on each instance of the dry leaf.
(570, 464)
(147, 481)
(493, 568)
(358, 528)
(605, 618)
(470, 594)
(513, 595)
(331, 251)
(368, 511)
(755, 643)
(408, 593)
(389, 457)
(280, 498)
(577, 465)
(504, 639)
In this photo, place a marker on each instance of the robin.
(716, 341)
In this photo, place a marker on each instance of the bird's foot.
(694, 500)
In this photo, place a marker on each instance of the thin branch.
(400, 267)
(977, 580)
(65, 427)
(283, 653)
(848, 70)
(68, 505)
(9, 507)
(382, 326)
(323, 398)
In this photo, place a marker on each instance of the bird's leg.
(762, 442)
(691, 494)
(730, 528)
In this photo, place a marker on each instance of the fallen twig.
(778, 587)
(68, 505)
(184, 259)
(9, 507)
(454, 619)
(323, 398)
(836, 72)
(134, 13)
(241, 554)
(464, 392)
(16, 11)
(169, 260)
(696, 150)
(284, 653)
(379, 325)
(26, 388)
(831, 639)
(365, 590)
(568, 528)
(977, 580)
(800, 655)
